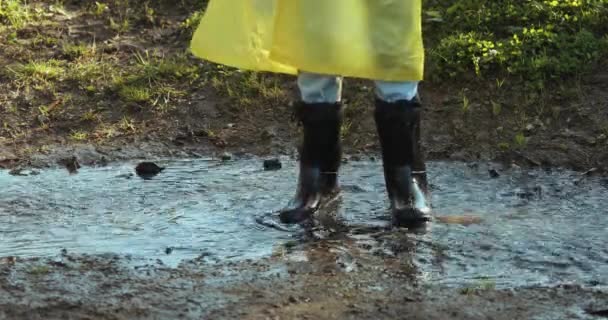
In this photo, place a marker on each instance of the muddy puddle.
(521, 228)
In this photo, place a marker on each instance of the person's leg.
(320, 113)
(318, 88)
(392, 91)
(397, 118)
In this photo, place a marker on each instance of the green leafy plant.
(534, 40)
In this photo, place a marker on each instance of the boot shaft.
(321, 124)
(398, 126)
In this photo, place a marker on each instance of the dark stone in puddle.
(148, 170)
(434, 187)
(485, 246)
(591, 172)
(102, 162)
(272, 164)
(19, 172)
(525, 193)
(178, 142)
(473, 165)
(71, 164)
(598, 313)
(353, 188)
(493, 173)
(226, 156)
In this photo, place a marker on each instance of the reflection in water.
(520, 228)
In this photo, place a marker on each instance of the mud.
(104, 287)
(106, 244)
(83, 237)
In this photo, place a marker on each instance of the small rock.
(459, 156)
(125, 176)
(353, 188)
(530, 193)
(529, 128)
(18, 172)
(178, 142)
(485, 246)
(201, 133)
(272, 164)
(226, 156)
(6, 156)
(493, 173)
(168, 250)
(473, 165)
(148, 170)
(355, 158)
(598, 312)
(71, 164)
(591, 172)
(292, 299)
(268, 134)
(230, 125)
(103, 161)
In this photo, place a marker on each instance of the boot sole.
(300, 215)
(409, 218)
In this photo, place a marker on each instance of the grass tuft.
(136, 94)
(15, 13)
(39, 70)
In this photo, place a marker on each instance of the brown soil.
(561, 127)
(318, 284)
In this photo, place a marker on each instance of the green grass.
(92, 71)
(246, 88)
(74, 51)
(536, 41)
(156, 81)
(135, 94)
(79, 135)
(39, 70)
(14, 13)
(193, 21)
(40, 270)
(100, 8)
(484, 284)
(505, 44)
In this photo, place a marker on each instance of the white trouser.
(318, 88)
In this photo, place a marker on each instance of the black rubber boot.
(398, 126)
(320, 158)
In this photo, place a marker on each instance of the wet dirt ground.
(106, 244)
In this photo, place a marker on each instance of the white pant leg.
(391, 91)
(319, 88)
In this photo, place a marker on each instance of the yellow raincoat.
(372, 39)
